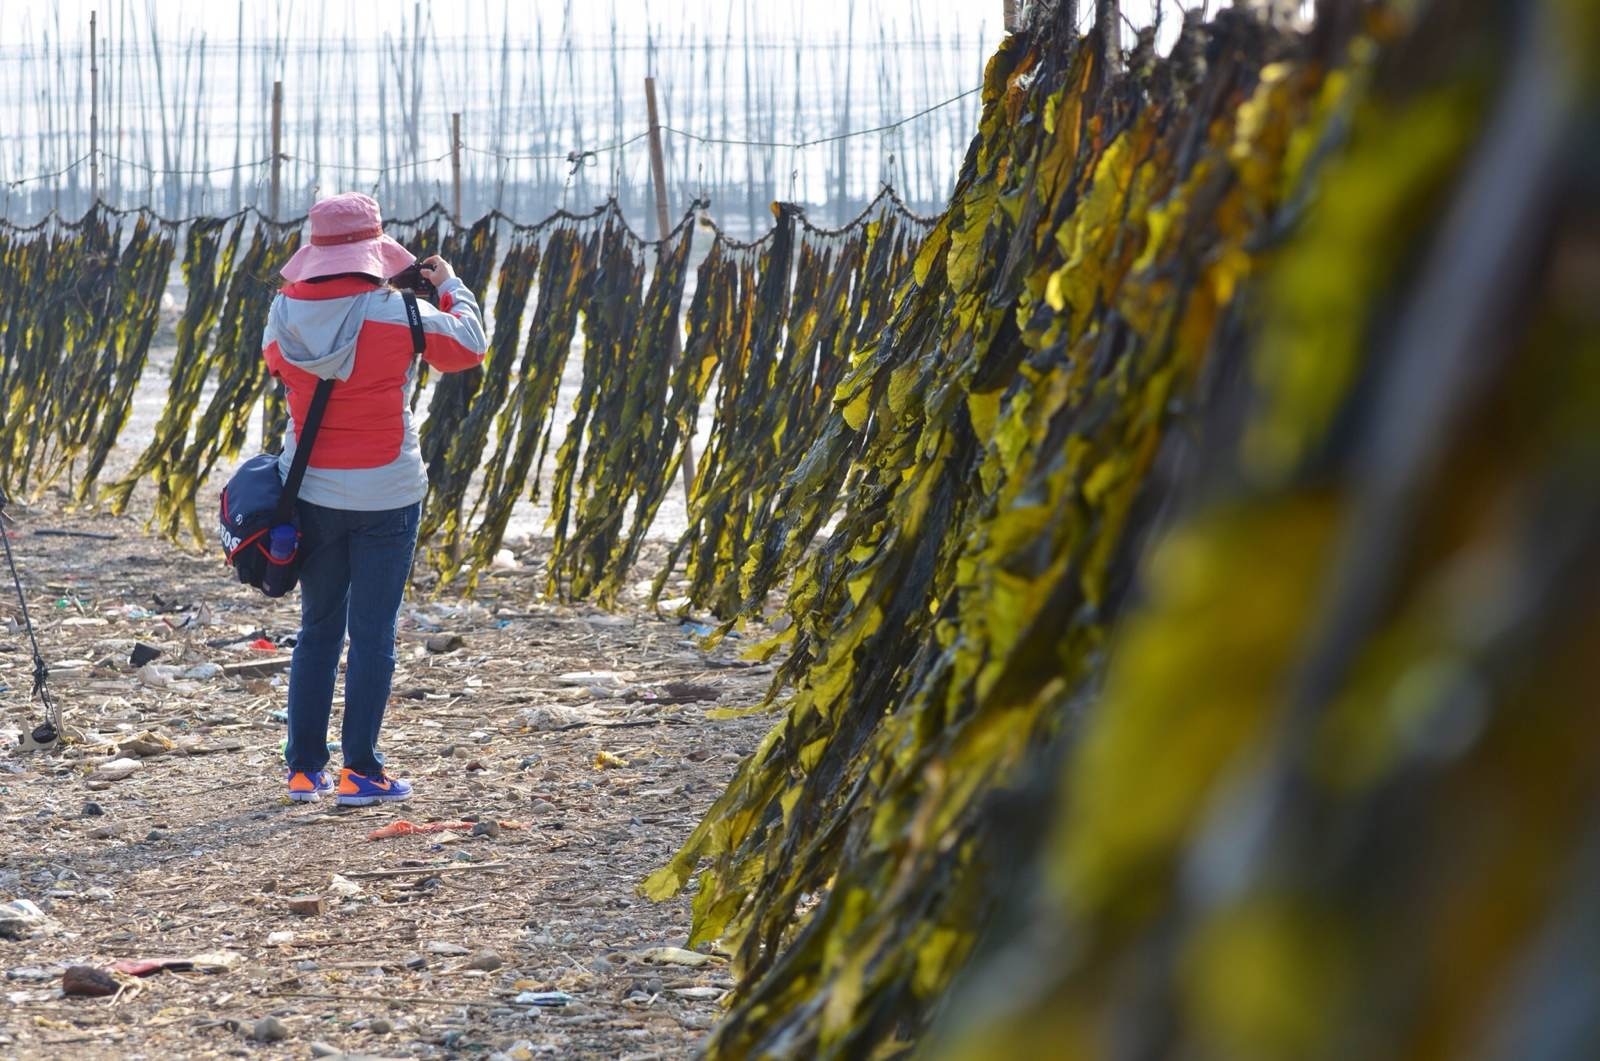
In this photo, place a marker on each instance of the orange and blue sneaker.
(308, 786)
(359, 790)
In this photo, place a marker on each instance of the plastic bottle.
(281, 541)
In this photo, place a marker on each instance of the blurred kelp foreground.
(1205, 660)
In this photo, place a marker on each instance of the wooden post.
(658, 161)
(455, 163)
(277, 150)
(1108, 19)
(1011, 22)
(94, 113)
(658, 177)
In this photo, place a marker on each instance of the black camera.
(411, 279)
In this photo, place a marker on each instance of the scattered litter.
(674, 956)
(86, 981)
(604, 760)
(547, 717)
(263, 644)
(146, 745)
(407, 828)
(115, 770)
(143, 653)
(543, 998)
(343, 887)
(446, 950)
(307, 905)
(203, 671)
(269, 1030)
(596, 679)
(439, 644)
(30, 975)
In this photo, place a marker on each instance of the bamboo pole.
(277, 150)
(1107, 16)
(658, 176)
(94, 113)
(455, 165)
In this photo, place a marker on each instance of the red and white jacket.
(365, 456)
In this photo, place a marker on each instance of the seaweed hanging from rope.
(670, 406)
(74, 351)
(845, 282)
(525, 420)
(69, 267)
(240, 379)
(132, 316)
(471, 253)
(209, 255)
(447, 488)
(1005, 432)
(617, 425)
(742, 433)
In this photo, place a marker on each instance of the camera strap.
(419, 342)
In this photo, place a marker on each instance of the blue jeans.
(354, 576)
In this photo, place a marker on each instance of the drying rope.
(46, 733)
(802, 144)
(887, 198)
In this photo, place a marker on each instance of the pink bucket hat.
(347, 237)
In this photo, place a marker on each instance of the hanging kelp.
(239, 378)
(667, 408)
(743, 431)
(471, 253)
(132, 313)
(843, 288)
(611, 466)
(211, 246)
(523, 426)
(447, 487)
(1005, 430)
(71, 324)
(1339, 797)
(73, 352)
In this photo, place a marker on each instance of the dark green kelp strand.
(713, 327)
(471, 253)
(211, 247)
(742, 436)
(611, 320)
(625, 452)
(522, 429)
(61, 273)
(447, 491)
(654, 447)
(135, 298)
(223, 426)
(847, 287)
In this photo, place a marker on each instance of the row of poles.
(363, 90)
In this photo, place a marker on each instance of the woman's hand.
(436, 270)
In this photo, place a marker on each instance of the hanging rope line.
(802, 144)
(47, 732)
